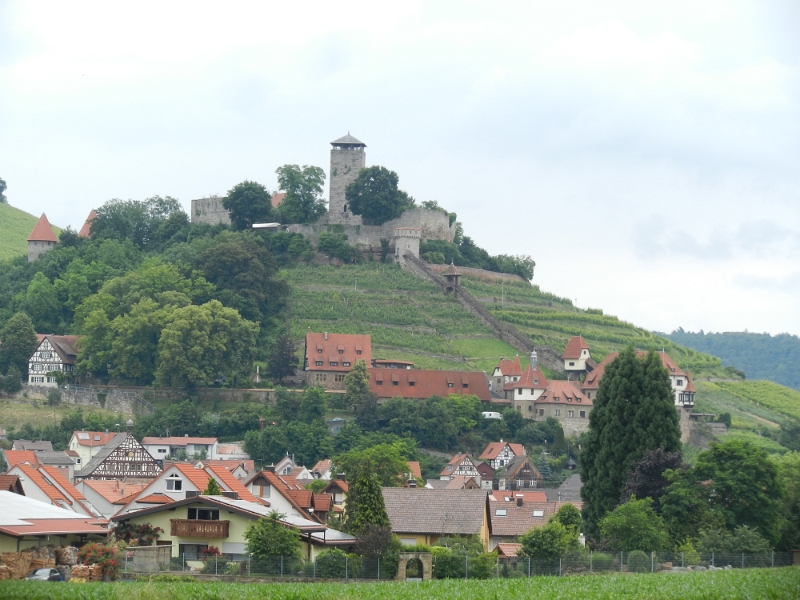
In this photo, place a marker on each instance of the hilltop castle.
(348, 157)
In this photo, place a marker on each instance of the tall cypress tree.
(364, 500)
(634, 412)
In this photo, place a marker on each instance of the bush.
(448, 566)
(215, 564)
(638, 562)
(332, 564)
(602, 561)
(482, 566)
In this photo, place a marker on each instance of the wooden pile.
(67, 555)
(81, 573)
(19, 563)
(5, 572)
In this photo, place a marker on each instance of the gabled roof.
(494, 449)
(92, 438)
(455, 462)
(42, 231)
(36, 478)
(563, 392)
(322, 466)
(23, 516)
(64, 345)
(532, 378)
(155, 499)
(86, 230)
(277, 198)
(592, 381)
(18, 457)
(11, 483)
(41, 446)
(423, 383)
(145, 464)
(114, 490)
(440, 512)
(103, 453)
(414, 469)
(327, 350)
(347, 140)
(234, 485)
(689, 384)
(510, 367)
(58, 477)
(198, 477)
(666, 360)
(511, 496)
(294, 494)
(518, 462)
(336, 483)
(509, 549)
(574, 348)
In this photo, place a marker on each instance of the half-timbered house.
(121, 458)
(55, 353)
(460, 465)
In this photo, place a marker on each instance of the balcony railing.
(197, 528)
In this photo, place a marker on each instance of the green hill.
(410, 319)
(15, 227)
(759, 355)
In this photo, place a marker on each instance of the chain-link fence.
(338, 565)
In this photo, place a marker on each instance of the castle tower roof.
(42, 231)
(87, 226)
(348, 140)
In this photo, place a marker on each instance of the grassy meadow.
(771, 584)
(16, 226)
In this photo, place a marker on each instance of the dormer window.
(449, 385)
(319, 363)
(334, 363)
(345, 364)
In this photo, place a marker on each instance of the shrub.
(332, 564)
(104, 555)
(638, 562)
(482, 566)
(215, 563)
(602, 561)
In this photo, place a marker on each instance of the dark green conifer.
(634, 412)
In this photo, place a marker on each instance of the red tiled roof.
(234, 485)
(56, 474)
(327, 351)
(495, 448)
(323, 502)
(277, 198)
(91, 441)
(9, 483)
(414, 469)
(574, 348)
(454, 462)
(18, 457)
(304, 498)
(281, 486)
(114, 490)
(531, 379)
(527, 496)
(55, 527)
(86, 230)
(689, 385)
(510, 367)
(322, 466)
(48, 488)
(341, 483)
(508, 549)
(592, 381)
(422, 383)
(198, 477)
(563, 392)
(42, 231)
(155, 499)
(666, 360)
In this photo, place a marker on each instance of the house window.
(358, 352)
(345, 364)
(500, 512)
(572, 364)
(174, 484)
(162, 450)
(449, 385)
(319, 350)
(319, 363)
(379, 382)
(538, 513)
(679, 382)
(50, 355)
(321, 377)
(569, 399)
(262, 491)
(341, 351)
(412, 383)
(395, 383)
(334, 363)
(37, 379)
(570, 413)
(582, 414)
(204, 514)
(339, 377)
(191, 551)
(556, 412)
(51, 380)
(465, 385)
(541, 412)
(519, 408)
(530, 408)
(519, 391)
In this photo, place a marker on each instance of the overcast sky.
(648, 158)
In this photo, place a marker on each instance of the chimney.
(341, 477)
(106, 431)
(519, 499)
(326, 336)
(269, 468)
(185, 435)
(412, 483)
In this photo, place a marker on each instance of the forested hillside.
(759, 355)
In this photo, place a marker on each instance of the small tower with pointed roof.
(42, 239)
(347, 160)
(86, 230)
(451, 276)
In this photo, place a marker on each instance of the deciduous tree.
(282, 360)
(248, 202)
(635, 526)
(17, 343)
(269, 536)
(374, 196)
(303, 202)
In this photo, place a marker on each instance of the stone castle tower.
(347, 159)
(42, 239)
(406, 241)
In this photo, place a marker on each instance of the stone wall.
(346, 163)
(36, 249)
(209, 211)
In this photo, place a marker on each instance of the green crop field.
(770, 584)
(775, 397)
(15, 227)
(727, 397)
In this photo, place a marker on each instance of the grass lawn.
(16, 226)
(747, 583)
(40, 414)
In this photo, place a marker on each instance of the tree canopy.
(374, 196)
(248, 202)
(633, 412)
(3, 199)
(17, 343)
(269, 536)
(144, 222)
(303, 202)
(635, 526)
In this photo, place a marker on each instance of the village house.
(519, 474)
(422, 516)
(196, 522)
(563, 401)
(48, 484)
(121, 457)
(526, 390)
(460, 465)
(108, 496)
(29, 523)
(457, 482)
(499, 454)
(329, 357)
(577, 360)
(511, 519)
(57, 460)
(54, 354)
(176, 446)
(338, 489)
(288, 497)
(419, 384)
(487, 475)
(88, 443)
(507, 371)
(41, 446)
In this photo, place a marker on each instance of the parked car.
(45, 575)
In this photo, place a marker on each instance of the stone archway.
(424, 557)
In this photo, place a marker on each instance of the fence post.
(345, 568)
(379, 567)
(591, 555)
(529, 566)
(652, 561)
(215, 565)
(620, 560)
(559, 566)
(315, 568)
(184, 561)
(126, 562)
(743, 560)
(466, 567)
(249, 558)
(773, 558)
(683, 558)
(281, 566)
(712, 560)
